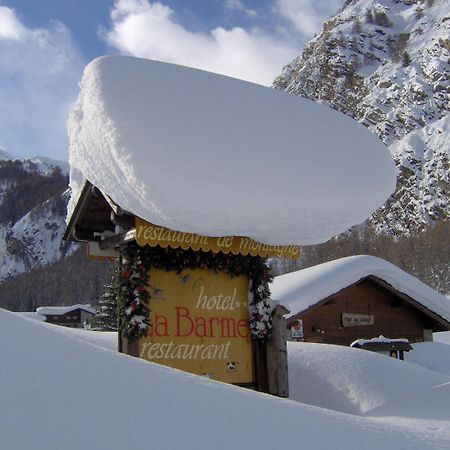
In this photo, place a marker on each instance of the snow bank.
(67, 393)
(299, 290)
(204, 153)
(353, 380)
(432, 355)
(443, 336)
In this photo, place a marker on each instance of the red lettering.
(183, 313)
(228, 326)
(161, 325)
(200, 327)
(242, 324)
(211, 325)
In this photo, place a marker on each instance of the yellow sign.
(153, 235)
(200, 324)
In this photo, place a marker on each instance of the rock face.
(33, 202)
(386, 64)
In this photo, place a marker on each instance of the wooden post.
(130, 348)
(276, 350)
(260, 365)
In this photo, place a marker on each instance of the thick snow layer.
(60, 310)
(443, 336)
(299, 290)
(32, 315)
(432, 355)
(353, 380)
(204, 153)
(378, 340)
(70, 393)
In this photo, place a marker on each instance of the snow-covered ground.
(66, 388)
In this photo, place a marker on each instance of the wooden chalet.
(342, 301)
(74, 316)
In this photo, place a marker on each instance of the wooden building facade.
(336, 304)
(68, 316)
(367, 309)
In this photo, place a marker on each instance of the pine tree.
(106, 318)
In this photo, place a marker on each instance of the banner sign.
(199, 324)
(357, 320)
(153, 235)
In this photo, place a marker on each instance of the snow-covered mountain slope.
(36, 239)
(88, 397)
(32, 213)
(45, 166)
(386, 63)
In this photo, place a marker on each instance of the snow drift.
(67, 393)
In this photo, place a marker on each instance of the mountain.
(385, 63)
(33, 201)
(37, 268)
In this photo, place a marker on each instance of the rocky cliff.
(386, 64)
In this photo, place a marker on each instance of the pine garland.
(135, 299)
(135, 302)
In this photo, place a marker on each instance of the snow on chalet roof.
(203, 153)
(302, 289)
(60, 310)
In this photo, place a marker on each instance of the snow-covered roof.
(302, 289)
(60, 310)
(202, 153)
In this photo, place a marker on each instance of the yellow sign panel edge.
(154, 235)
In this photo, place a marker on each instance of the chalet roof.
(60, 310)
(305, 288)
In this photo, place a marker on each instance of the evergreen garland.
(134, 319)
(134, 314)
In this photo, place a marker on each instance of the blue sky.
(45, 44)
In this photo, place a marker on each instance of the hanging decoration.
(135, 301)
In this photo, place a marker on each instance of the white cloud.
(307, 16)
(238, 5)
(39, 70)
(10, 27)
(150, 30)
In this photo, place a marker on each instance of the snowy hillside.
(32, 213)
(385, 63)
(36, 239)
(84, 396)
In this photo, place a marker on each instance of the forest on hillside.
(425, 255)
(27, 189)
(74, 279)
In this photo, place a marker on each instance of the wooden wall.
(393, 317)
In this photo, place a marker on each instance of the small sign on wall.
(357, 320)
(297, 330)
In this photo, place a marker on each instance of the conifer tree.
(106, 318)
